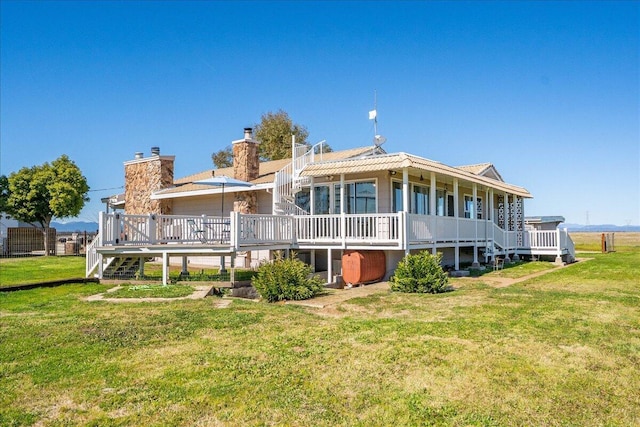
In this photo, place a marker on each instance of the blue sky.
(548, 92)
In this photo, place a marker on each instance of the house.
(322, 205)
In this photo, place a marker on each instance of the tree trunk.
(46, 240)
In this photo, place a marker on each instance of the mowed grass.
(561, 349)
(20, 271)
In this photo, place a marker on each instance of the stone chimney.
(142, 177)
(246, 160)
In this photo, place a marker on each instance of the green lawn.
(562, 349)
(20, 271)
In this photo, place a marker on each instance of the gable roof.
(404, 160)
(185, 186)
(484, 169)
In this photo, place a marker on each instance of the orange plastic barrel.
(360, 267)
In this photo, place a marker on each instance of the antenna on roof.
(378, 140)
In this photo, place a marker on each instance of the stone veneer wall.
(144, 176)
(246, 167)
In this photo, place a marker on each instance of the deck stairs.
(112, 267)
(288, 181)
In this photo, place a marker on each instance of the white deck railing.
(399, 230)
(92, 258)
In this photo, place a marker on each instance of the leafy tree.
(4, 193)
(274, 133)
(223, 158)
(38, 194)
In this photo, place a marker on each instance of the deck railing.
(399, 230)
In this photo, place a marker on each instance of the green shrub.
(286, 279)
(420, 273)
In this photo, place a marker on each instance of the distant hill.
(600, 228)
(79, 226)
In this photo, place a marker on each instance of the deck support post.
(456, 262)
(313, 260)
(100, 266)
(185, 267)
(141, 267)
(165, 268)
(329, 265)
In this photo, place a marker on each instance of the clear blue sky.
(548, 92)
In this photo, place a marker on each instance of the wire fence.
(16, 242)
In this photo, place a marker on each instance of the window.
(440, 202)
(303, 199)
(360, 197)
(450, 205)
(469, 210)
(420, 200)
(468, 207)
(322, 200)
(397, 196)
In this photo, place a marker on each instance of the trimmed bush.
(286, 279)
(420, 273)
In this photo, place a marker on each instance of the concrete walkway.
(200, 292)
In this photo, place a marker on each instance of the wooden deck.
(180, 235)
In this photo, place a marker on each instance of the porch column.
(343, 218)
(489, 214)
(432, 194)
(456, 214)
(405, 189)
(165, 268)
(493, 229)
(507, 220)
(432, 210)
(475, 222)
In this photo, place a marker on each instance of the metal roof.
(415, 164)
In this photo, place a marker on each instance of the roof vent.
(155, 151)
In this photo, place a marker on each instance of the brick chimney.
(142, 177)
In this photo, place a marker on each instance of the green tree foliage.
(38, 194)
(4, 193)
(223, 158)
(286, 279)
(274, 133)
(420, 273)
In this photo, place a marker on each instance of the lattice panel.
(519, 220)
(479, 207)
(501, 211)
(511, 218)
